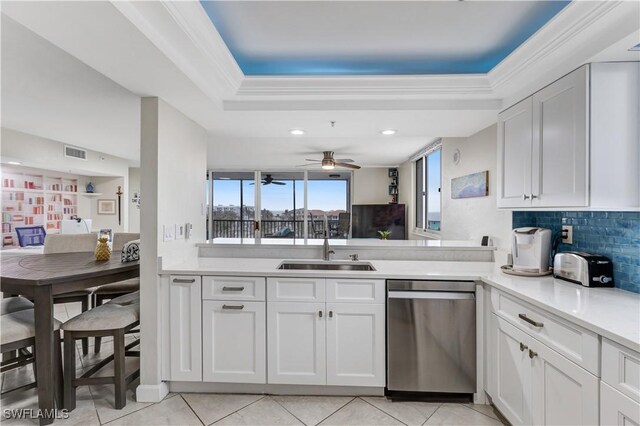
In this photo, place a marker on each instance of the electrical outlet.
(567, 234)
(169, 233)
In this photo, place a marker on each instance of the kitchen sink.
(327, 266)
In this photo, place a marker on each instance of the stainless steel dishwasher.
(431, 336)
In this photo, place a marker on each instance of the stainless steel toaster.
(590, 270)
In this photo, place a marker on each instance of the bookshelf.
(393, 186)
(35, 198)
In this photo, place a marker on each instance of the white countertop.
(609, 312)
(350, 243)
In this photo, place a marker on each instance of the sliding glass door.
(281, 200)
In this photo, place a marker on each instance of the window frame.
(423, 157)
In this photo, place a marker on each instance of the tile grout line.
(477, 411)
(432, 414)
(380, 409)
(285, 409)
(242, 408)
(192, 410)
(344, 405)
(135, 411)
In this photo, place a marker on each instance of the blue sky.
(323, 194)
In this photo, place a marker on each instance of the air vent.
(73, 152)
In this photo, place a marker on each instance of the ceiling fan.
(329, 163)
(268, 180)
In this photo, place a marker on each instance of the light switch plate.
(567, 234)
(179, 232)
(169, 233)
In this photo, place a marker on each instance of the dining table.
(40, 277)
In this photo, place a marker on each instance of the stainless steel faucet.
(327, 252)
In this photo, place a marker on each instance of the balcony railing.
(233, 228)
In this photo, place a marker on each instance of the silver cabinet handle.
(532, 354)
(330, 314)
(533, 196)
(525, 197)
(232, 288)
(525, 318)
(523, 347)
(320, 314)
(184, 280)
(233, 307)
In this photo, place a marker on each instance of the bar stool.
(18, 334)
(115, 318)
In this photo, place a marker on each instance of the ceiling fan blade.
(278, 183)
(317, 161)
(344, 160)
(347, 166)
(308, 164)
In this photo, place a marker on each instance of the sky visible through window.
(323, 194)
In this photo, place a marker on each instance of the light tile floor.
(95, 405)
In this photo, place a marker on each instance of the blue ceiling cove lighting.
(262, 36)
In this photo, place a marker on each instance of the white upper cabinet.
(566, 144)
(559, 170)
(514, 155)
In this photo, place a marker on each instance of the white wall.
(134, 212)
(101, 169)
(173, 158)
(371, 186)
(471, 218)
(467, 218)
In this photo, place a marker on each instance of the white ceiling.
(86, 90)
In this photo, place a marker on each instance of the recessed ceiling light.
(388, 132)
(296, 132)
(14, 163)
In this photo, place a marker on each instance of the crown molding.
(423, 85)
(183, 32)
(362, 105)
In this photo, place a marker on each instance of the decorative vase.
(103, 252)
(90, 188)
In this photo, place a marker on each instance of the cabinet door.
(355, 344)
(562, 392)
(514, 155)
(616, 408)
(559, 175)
(234, 342)
(296, 343)
(185, 315)
(512, 372)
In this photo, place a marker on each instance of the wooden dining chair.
(115, 318)
(18, 334)
(73, 243)
(111, 291)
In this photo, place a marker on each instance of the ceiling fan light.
(328, 164)
(296, 132)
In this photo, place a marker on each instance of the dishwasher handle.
(441, 295)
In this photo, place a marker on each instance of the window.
(282, 209)
(428, 180)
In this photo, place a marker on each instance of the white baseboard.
(323, 390)
(152, 393)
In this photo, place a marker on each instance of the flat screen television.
(368, 219)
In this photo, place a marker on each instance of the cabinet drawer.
(621, 369)
(576, 343)
(296, 289)
(355, 291)
(616, 408)
(233, 288)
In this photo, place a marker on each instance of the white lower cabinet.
(355, 344)
(536, 385)
(617, 408)
(296, 348)
(234, 341)
(185, 319)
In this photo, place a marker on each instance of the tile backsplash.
(612, 234)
